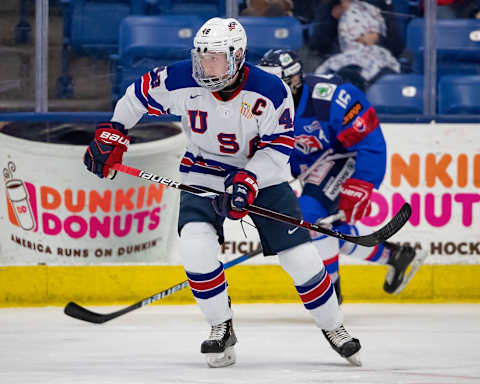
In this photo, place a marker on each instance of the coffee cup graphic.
(18, 197)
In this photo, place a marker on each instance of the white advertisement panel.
(52, 211)
(435, 168)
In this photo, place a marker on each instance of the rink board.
(105, 285)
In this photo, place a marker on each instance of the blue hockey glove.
(241, 189)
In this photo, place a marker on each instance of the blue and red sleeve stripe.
(282, 142)
(142, 87)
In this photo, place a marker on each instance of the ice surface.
(415, 344)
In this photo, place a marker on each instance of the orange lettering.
(434, 170)
(476, 171)
(95, 201)
(156, 193)
(124, 199)
(45, 193)
(140, 197)
(69, 200)
(411, 171)
(462, 170)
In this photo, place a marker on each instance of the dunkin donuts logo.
(81, 213)
(21, 202)
(442, 188)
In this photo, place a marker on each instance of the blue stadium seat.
(397, 94)
(203, 8)
(401, 6)
(264, 33)
(90, 27)
(459, 94)
(149, 41)
(458, 45)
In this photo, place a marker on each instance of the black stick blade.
(76, 311)
(384, 233)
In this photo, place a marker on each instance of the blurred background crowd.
(96, 48)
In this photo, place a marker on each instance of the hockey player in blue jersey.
(238, 121)
(340, 157)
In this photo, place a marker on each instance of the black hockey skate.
(338, 291)
(344, 344)
(219, 347)
(401, 257)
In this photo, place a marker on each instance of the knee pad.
(301, 262)
(199, 247)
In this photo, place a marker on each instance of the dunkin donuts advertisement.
(435, 168)
(52, 211)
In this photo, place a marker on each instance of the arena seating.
(458, 45)
(146, 42)
(459, 94)
(203, 8)
(264, 33)
(397, 94)
(90, 27)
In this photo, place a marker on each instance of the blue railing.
(72, 117)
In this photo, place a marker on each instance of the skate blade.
(355, 359)
(414, 267)
(223, 359)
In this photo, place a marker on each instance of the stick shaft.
(370, 240)
(75, 310)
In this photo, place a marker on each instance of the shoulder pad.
(322, 91)
(179, 75)
(323, 87)
(266, 84)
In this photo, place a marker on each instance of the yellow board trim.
(109, 285)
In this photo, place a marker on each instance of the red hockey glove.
(106, 149)
(241, 189)
(355, 199)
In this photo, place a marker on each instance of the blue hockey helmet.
(284, 64)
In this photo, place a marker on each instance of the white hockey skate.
(400, 259)
(219, 347)
(344, 344)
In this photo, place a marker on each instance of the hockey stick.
(370, 240)
(76, 311)
(81, 313)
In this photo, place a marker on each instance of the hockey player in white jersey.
(239, 124)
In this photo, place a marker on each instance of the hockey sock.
(313, 284)
(210, 292)
(328, 248)
(199, 248)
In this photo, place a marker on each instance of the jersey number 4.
(286, 119)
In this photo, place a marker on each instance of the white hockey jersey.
(253, 129)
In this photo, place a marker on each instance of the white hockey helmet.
(220, 38)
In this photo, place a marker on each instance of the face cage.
(278, 71)
(212, 83)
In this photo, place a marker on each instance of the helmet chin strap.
(297, 94)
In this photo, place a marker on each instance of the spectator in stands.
(304, 10)
(268, 8)
(324, 39)
(362, 60)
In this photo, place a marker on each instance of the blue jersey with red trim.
(334, 119)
